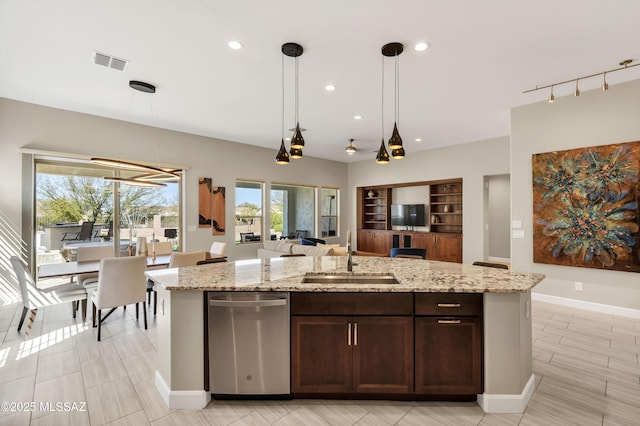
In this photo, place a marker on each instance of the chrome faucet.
(349, 260)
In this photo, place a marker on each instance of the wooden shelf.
(445, 206)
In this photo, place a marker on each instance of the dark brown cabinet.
(352, 354)
(448, 344)
(443, 247)
(374, 241)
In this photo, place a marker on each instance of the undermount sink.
(384, 279)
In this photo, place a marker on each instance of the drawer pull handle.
(450, 321)
(448, 305)
(355, 334)
(348, 334)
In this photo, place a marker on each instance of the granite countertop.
(286, 273)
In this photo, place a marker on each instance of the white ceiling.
(483, 54)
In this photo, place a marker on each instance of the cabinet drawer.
(449, 304)
(352, 303)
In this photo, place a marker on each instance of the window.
(248, 211)
(329, 212)
(292, 211)
(71, 192)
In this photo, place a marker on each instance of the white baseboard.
(589, 306)
(181, 400)
(508, 403)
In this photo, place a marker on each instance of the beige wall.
(471, 162)
(594, 118)
(24, 125)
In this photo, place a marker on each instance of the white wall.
(469, 161)
(595, 118)
(24, 125)
(498, 212)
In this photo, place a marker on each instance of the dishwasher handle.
(247, 303)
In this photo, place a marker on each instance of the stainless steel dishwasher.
(249, 343)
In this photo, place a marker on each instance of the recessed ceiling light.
(419, 47)
(418, 139)
(330, 87)
(235, 45)
(357, 117)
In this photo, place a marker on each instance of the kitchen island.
(506, 322)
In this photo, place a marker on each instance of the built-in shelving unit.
(375, 205)
(445, 207)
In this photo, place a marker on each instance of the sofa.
(278, 248)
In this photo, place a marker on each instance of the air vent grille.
(109, 61)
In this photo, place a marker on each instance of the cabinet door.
(448, 355)
(382, 243)
(365, 240)
(321, 357)
(383, 354)
(448, 248)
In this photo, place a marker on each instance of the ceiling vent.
(109, 61)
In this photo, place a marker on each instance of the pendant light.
(294, 50)
(351, 149)
(283, 155)
(395, 49)
(383, 155)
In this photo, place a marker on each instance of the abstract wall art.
(217, 219)
(585, 207)
(205, 202)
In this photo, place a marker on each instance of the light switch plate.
(516, 224)
(518, 234)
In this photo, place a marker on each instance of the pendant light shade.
(283, 155)
(295, 152)
(395, 141)
(383, 155)
(297, 141)
(398, 153)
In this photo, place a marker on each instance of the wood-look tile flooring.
(586, 365)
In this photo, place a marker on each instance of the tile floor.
(586, 365)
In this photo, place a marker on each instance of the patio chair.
(34, 298)
(86, 232)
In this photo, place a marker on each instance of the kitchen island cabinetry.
(370, 351)
(448, 344)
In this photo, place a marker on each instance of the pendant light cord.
(382, 105)
(397, 89)
(282, 75)
(296, 97)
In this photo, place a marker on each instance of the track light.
(551, 97)
(625, 64)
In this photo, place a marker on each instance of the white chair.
(160, 248)
(34, 298)
(189, 258)
(217, 248)
(121, 282)
(88, 254)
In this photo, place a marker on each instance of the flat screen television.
(408, 215)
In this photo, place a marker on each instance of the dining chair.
(88, 254)
(410, 252)
(160, 248)
(121, 282)
(34, 298)
(217, 248)
(187, 258)
(491, 265)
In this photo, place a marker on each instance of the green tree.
(246, 211)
